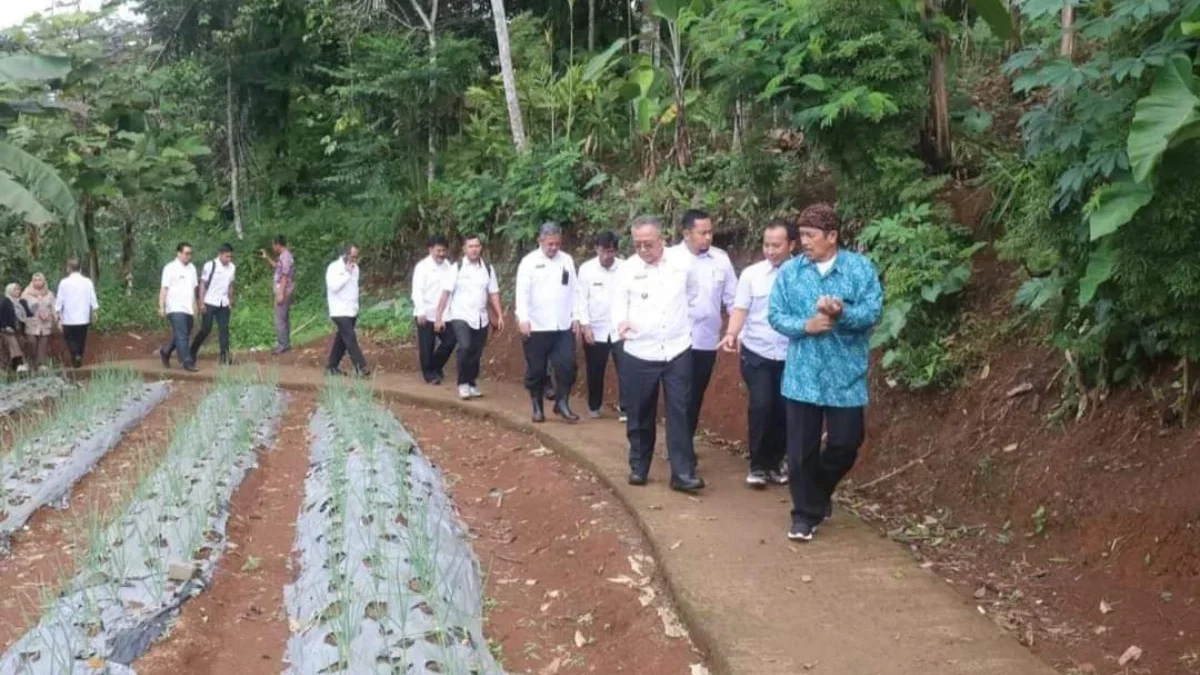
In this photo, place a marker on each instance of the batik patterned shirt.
(829, 369)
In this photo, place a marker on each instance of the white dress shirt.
(656, 301)
(546, 291)
(597, 286)
(180, 281)
(341, 289)
(218, 280)
(718, 284)
(469, 285)
(429, 278)
(754, 296)
(76, 300)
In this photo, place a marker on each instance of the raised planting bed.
(161, 549)
(387, 582)
(17, 394)
(47, 459)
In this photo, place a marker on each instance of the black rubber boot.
(539, 410)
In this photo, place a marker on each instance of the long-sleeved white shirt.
(546, 291)
(470, 284)
(655, 300)
(429, 278)
(76, 300)
(754, 296)
(718, 285)
(597, 287)
(341, 289)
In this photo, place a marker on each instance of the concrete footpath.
(849, 603)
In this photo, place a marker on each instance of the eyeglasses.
(645, 245)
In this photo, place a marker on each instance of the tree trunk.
(648, 39)
(509, 77)
(1014, 14)
(127, 253)
(89, 237)
(1067, 46)
(683, 144)
(231, 144)
(591, 25)
(939, 103)
(430, 165)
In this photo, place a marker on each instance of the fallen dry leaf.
(1105, 608)
(580, 640)
(698, 669)
(553, 667)
(1132, 654)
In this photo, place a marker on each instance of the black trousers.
(221, 316)
(556, 348)
(766, 416)
(434, 350)
(703, 361)
(181, 330)
(814, 474)
(640, 381)
(470, 350)
(76, 339)
(345, 341)
(595, 359)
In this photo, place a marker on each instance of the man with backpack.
(470, 302)
(216, 300)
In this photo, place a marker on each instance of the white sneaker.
(22, 368)
(475, 393)
(593, 414)
(622, 416)
(464, 391)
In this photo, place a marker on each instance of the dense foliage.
(384, 122)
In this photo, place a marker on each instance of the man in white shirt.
(75, 305)
(717, 284)
(177, 304)
(597, 285)
(763, 355)
(549, 322)
(656, 290)
(341, 293)
(429, 277)
(216, 294)
(470, 302)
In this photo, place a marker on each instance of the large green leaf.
(1116, 205)
(1101, 264)
(600, 62)
(33, 68)
(40, 179)
(1161, 114)
(667, 9)
(996, 15)
(15, 198)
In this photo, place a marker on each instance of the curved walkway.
(849, 603)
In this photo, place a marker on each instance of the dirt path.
(239, 625)
(42, 553)
(550, 537)
(850, 603)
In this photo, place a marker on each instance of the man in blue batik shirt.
(826, 303)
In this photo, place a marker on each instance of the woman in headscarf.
(40, 324)
(13, 314)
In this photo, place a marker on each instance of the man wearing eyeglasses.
(652, 310)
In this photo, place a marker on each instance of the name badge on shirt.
(645, 295)
(540, 266)
(597, 283)
(640, 277)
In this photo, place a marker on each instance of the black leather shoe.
(636, 478)
(687, 483)
(539, 410)
(191, 369)
(166, 360)
(564, 411)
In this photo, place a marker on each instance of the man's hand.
(439, 326)
(421, 320)
(821, 323)
(204, 308)
(575, 328)
(162, 312)
(624, 330)
(526, 328)
(829, 306)
(589, 337)
(729, 343)
(262, 253)
(499, 325)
